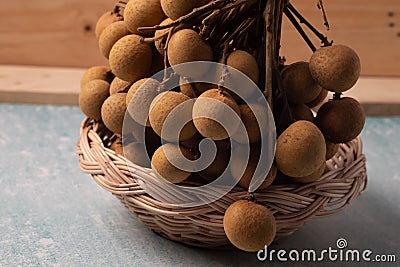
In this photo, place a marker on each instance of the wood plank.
(370, 27)
(50, 33)
(44, 85)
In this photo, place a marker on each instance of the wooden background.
(60, 33)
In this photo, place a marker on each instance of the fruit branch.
(320, 6)
(324, 39)
(303, 34)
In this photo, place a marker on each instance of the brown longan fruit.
(300, 149)
(161, 108)
(250, 122)
(139, 101)
(336, 68)
(184, 46)
(165, 169)
(299, 85)
(249, 226)
(204, 110)
(97, 73)
(92, 96)
(331, 149)
(246, 177)
(193, 90)
(105, 20)
(319, 99)
(301, 112)
(244, 62)
(143, 13)
(160, 43)
(116, 146)
(110, 35)
(175, 9)
(119, 86)
(113, 112)
(130, 59)
(341, 120)
(312, 177)
(220, 162)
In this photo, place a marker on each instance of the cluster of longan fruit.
(111, 94)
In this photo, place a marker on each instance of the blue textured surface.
(52, 214)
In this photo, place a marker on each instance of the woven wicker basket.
(292, 204)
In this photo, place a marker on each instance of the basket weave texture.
(293, 204)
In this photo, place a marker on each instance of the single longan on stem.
(184, 46)
(164, 168)
(300, 149)
(245, 63)
(336, 68)
(139, 99)
(113, 112)
(143, 13)
(249, 226)
(92, 96)
(175, 9)
(212, 107)
(119, 86)
(130, 60)
(171, 104)
(105, 20)
(110, 35)
(299, 85)
(97, 73)
(341, 120)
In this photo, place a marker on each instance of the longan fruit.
(97, 73)
(161, 108)
(110, 35)
(331, 149)
(92, 96)
(250, 122)
(130, 59)
(249, 226)
(244, 62)
(113, 112)
(319, 99)
(312, 177)
(165, 169)
(105, 20)
(341, 120)
(193, 90)
(136, 153)
(220, 162)
(204, 110)
(184, 46)
(298, 83)
(175, 9)
(301, 112)
(160, 43)
(119, 86)
(254, 158)
(139, 101)
(336, 68)
(116, 146)
(143, 13)
(300, 149)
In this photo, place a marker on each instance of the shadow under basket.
(293, 204)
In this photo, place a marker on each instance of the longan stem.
(294, 22)
(196, 13)
(320, 6)
(324, 39)
(149, 40)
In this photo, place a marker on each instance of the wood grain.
(44, 85)
(50, 33)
